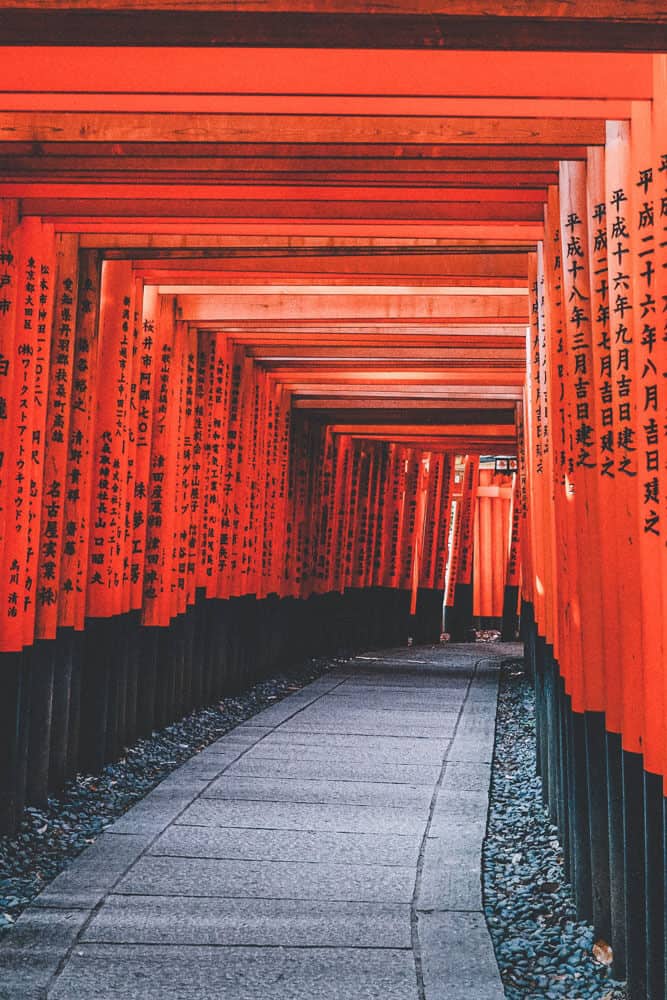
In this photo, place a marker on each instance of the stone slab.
(382, 700)
(458, 962)
(424, 749)
(332, 711)
(367, 727)
(31, 953)
(182, 920)
(472, 749)
(154, 813)
(411, 679)
(451, 874)
(301, 816)
(412, 753)
(466, 777)
(145, 972)
(289, 845)
(85, 882)
(363, 793)
(205, 768)
(341, 770)
(162, 876)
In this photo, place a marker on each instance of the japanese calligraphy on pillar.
(650, 377)
(57, 436)
(80, 447)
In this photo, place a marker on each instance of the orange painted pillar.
(463, 591)
(655, 437)
(72, 607)
(444, 520)
(651, 399)
(11, 636)
(24, 455)
(624, 403)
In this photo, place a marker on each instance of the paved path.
(328, 848)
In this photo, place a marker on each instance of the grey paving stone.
(452, 888)
(163, 876)
(417, 753)
(251, 729)
(412, 699)
(282, 710)
(466, 777)
(290, 845)
(228, 751)
(301, 816)
(460, 839)
(472, 749)
(92, 875)
(468, 805)
(367, 727)
(259, 922)
(242, 787)
(450, 878)
(409, 680)
(340, 770)
(154, 813)
(332, 711)
(243, 734)
(30, 955)
(183, 782)
(458, 962)
(204, 768)
(144, 972)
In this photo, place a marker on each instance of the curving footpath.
(329, 848)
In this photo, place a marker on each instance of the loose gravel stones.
(543, 951)
(49, 838)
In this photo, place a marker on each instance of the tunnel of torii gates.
(268, 314)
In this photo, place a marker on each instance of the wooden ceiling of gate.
(349, 192)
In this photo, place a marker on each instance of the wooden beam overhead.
(138, 69)
(455, 308)
(42, 126)
(398, 26)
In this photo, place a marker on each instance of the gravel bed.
(543, 951)
(49, 838)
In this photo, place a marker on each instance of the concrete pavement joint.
(414, 910)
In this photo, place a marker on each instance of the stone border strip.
(456, 959)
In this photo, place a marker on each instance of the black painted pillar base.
(634, 865)
(60, 713)
(551, 732)
(536, 654)
(564, 788)
(654, 885)
(580, 822)
(596, 783)
(459, 618)
(527, 635)
(147, 679)
(99, 642)
(510, 626)
(616, 857)
(41, 704)
(76, 640)
(14, 719)
(427, 623)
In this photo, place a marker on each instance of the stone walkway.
(328, 848)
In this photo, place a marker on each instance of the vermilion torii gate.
(271, 282)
